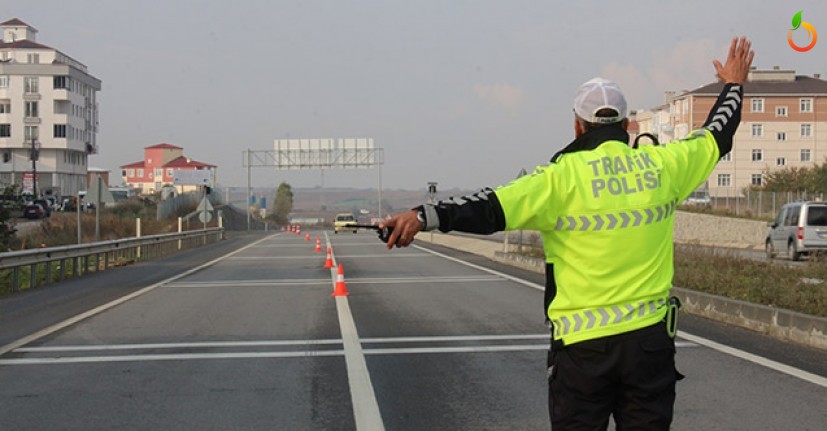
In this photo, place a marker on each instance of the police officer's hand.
(405, 226)
(738, 62)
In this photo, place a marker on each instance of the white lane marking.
(760, 360)
(272, 257)
(54, 360)
(422, 280)
(473, 349)
(168, 357)
(352, 256)
(482, 268)
(365, 407)
(324, 281)
(281, 343)
(304, 245)
(82, 316)
(442, 339)
(359, 244)
(310, 282)
(193, 345)
(462, 349)
(792, 371)
(382, 256)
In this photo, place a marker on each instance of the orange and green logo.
(811, 33)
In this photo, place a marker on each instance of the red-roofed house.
(158, 168)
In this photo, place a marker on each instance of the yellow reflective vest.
(606, 216)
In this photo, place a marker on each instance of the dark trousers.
(630, 376)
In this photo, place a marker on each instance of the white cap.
(597, 94)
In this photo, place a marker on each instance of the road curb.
(779, 323)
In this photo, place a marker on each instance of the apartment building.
(783, 124)
(158, 168)
(48, 112)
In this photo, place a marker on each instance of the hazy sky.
(465, 93)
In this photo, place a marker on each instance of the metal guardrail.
(46, 265)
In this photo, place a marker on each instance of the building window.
(726, 157)
(780, 111)
(806, 105)
(31, 132)
(781, 161)
(5, 130)
(724, 180)
(30, 84)
(4, 81)
(60, 82)
(781, 136)
(806, 130)
(757, 155)
(757, 130)
(60, 130)
(757, 179)
(130, 173)
(757, 105)
(33, 58)
(5, 107)
(805, 155)
(31, 110)
(169, 173)
(140, 173)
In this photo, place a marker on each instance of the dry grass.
(115, 223)
(802, 289)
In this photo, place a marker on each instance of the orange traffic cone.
(298, 232)
(318, 248)
(340, 289)
(307, 237)
(328, 263)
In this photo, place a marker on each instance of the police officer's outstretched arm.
(475, 213)
(725, 115)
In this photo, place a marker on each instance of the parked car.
(343, 222)
(800, 228)
(46, 205)
(34, 211)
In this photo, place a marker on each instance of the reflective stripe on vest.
(617, 219)
(602, 317)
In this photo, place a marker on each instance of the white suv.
(800, 228)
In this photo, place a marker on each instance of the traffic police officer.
(605, 211)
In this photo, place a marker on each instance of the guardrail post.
(180, 229)
(62, 270)
(221, 225)
(15, 279)
(48, 272)
(33, 276)
(138, 235)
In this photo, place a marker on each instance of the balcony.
(61, 94)
(31, 96)
(31, 120)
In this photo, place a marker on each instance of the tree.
(282, 204)
(796, 179)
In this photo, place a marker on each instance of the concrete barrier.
(705, 229)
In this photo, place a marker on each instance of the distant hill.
(327, 202)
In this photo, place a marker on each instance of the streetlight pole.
(34, 156)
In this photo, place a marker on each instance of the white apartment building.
(783, 124)
(48, 100)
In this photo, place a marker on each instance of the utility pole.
(34, 156)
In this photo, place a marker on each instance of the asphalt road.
(428, 339)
